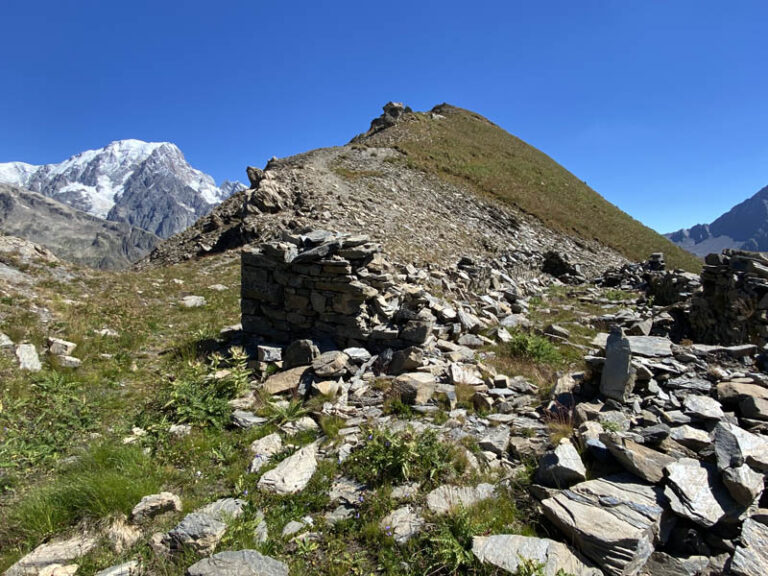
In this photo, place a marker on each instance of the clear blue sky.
(660, 105)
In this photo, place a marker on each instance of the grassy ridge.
(468, 148)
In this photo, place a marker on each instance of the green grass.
(533, 347)
(106, 479)
(470, 150)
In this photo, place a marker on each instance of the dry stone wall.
(328, 284)
(732, 307)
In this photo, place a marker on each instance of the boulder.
(292, 474)
(59, 347)
(703, 407)
(202, 530)
(238, 563)
(405, 360)
(510, 551)
(614, 521)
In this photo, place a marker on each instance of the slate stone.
(60, 551)
(509, 552)
(640, 460)
(614, 521)
(735, 446)
(751, 556)
(743, 483)
(695, 492)
(561, 467)
(618, 377)
(402, 524)
(154, 504)
(287, 380)
(238, 563)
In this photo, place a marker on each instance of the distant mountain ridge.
(70, 234)
(744, 227)
(149, 185)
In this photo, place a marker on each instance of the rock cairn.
(732, 307)
(333, 285)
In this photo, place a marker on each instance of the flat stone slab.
(238, 563)
(751, 557)
(695, 492)
(648, 346)
(508, 552)
(203, 529)
(637, 459)
(286, 381)
(54, 552)
(28, 358)
(126, 569)
(614, 521)
(446, 498)
(292, 474)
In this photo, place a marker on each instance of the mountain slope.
(744, 227)
(465, 147)
(146, 184)
(70, 234)
(432, 187)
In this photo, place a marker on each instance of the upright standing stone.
(618, 377)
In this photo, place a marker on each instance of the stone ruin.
(325, 284)
(732, 307)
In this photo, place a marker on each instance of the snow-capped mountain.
(146, 184)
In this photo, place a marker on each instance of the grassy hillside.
(466, 147)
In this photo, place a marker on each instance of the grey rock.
(331, 364)
(292, 474)
(154, 504)
(735, 446)
(414, 387)
(754, 408)
(286, 381)
(245, 419)
(225, 509)
(690, 437)
(618, 377)
(650, 346)
(60, 551)
(640, 460)
(614, 521)
(695, 492)
(509, 552)
(193, 301)
(126, 569)
(751, 557)
(402, 524)
(263, 449)
(703, 407)
(5, 341)
(60, 347)
(269, 353)
(293, 527)
(446, 498)
(28, 358)
(406, 360)
(238, 563)
(357, 355)
(743, 483)
(300, 353)
(198, 532)
(67, 361)
(561, 467)
(495, 440)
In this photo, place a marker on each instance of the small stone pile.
(324, 284)
(732, 307)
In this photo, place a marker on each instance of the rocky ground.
(544, 425)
